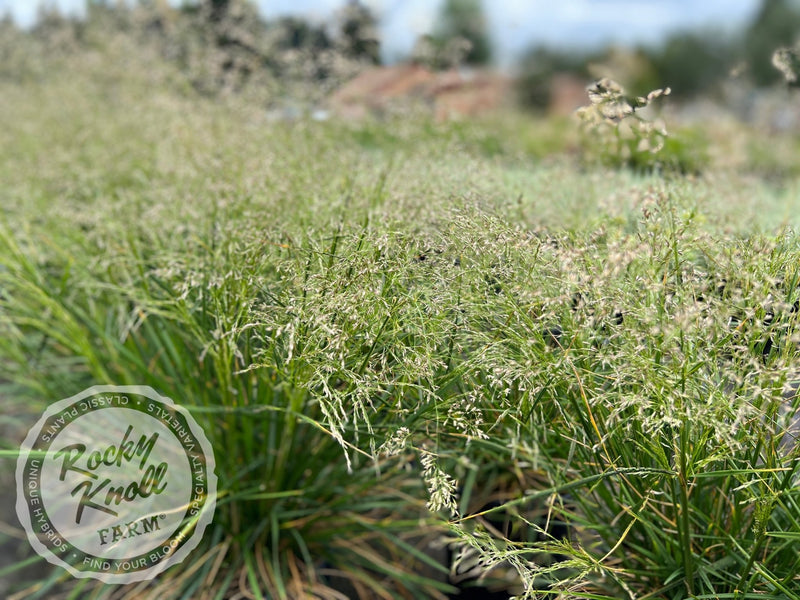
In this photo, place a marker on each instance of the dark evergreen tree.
(219, 8)
(299, 34)
(777, 23)
(691, 63)
(358, 32)
(536, 71)
(465, 19)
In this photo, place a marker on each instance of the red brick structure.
(449, 94)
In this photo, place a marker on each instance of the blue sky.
(514, 24)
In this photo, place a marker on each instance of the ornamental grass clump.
(657, 417)
(306, 505)
(433, 372)
(615, 131)
(599, 414)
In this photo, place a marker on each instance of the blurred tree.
(777, 23)
(218, 9)
(691, 63)
(631, 68)
(298, 34)
(57, 31)
(424, 51)
(537, 69)
(358, 32)
(465, 19)
(439, 53)
(223, 44)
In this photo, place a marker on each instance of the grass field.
(423, 351)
